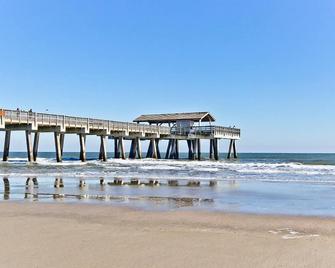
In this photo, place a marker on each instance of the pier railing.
(206, 131)
(63, 121)
(43, 119)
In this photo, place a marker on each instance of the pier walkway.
(180, 127)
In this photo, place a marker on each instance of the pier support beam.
(195, 149)
(82, 141)
(29, 146)
(216, 148)
(190, 149)
(58, 147)
(103, 151)
(62, 137)
(121, 147)
(7, 145)
(199, 149)
(139, 148)
(116, 148)
(119, 151)
(149, 152)
(211, 149)
(36, 141)
(232, 150)
(133, 149)
(174, 151)
(158, 152)
(168, 150)
(152, 150)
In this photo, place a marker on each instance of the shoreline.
(89, 235)
(149, 208)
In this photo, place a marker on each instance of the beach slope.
(77, 235)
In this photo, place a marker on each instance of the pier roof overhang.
(174, 117)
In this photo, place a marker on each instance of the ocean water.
(297, 184)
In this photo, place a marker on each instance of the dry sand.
(77, 235)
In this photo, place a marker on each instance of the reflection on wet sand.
(6, 193)
(178, 201)
(58, 182)
(34, 192)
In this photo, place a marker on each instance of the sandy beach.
(79, 235)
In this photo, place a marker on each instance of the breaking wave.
(165, 169)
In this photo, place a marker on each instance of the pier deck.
(32, 122)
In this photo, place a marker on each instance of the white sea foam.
(202, 170)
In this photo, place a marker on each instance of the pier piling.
(82, 141)
(29, 146)
(158, 152)
(211, 145)
(116, 148)
(121, 148)
(62, 138)
(103, 151)
(7, 145)
(167, 155)
(133, 149)
(58, 147)
(152, 149)
(199, 149)
(232, 150)
(35, 148)
(139, 148)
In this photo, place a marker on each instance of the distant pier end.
(176, 127)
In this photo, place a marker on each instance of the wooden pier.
(189, 127)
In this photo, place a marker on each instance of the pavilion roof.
(173, 117)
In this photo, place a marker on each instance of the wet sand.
(78, 235)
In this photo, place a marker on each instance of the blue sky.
(265, 66)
